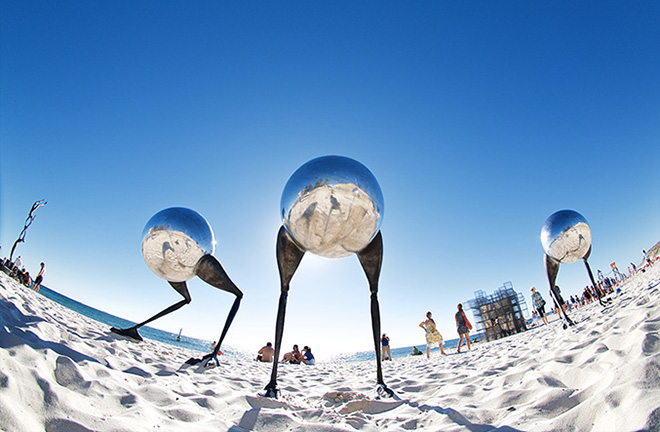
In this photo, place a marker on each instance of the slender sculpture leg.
(133, 333)
(210, 271)
(552, 269)
(371, 259)
(593, 282)
(289, 256)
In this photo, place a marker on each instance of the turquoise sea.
(204, 345)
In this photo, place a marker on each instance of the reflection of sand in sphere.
(333, 220)
(572, 244)
(172, 255)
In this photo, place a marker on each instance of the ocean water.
(146, 331)
(398, 352)
(204, 346)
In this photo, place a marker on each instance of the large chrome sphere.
(174, 240)
(332, 206)
(566, 236)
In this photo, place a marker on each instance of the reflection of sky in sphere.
(332, 206)
(566, 236)
(174, 240)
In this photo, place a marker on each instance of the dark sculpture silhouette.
(28, 222)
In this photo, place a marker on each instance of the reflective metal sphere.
(174, 240)
(566, 236)
(332, 206)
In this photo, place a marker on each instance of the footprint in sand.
(67, 375)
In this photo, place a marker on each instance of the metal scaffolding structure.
(499, 314)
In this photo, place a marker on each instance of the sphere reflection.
(566, 236)
(332, 206)
(174, 240)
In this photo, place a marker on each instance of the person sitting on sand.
(294, 356)
(265, 354)
(539, 305)
(308, 357)
(386, 353)
(463, 327)
(416, 352)
(432, 334)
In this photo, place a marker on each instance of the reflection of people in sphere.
(386, 353)
(463, 327)
(432, 334)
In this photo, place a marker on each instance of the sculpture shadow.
(16, 332)
(460, 419)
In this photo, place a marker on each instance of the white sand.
(60, 371)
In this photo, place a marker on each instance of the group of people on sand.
(433, 336)
(16, 271)
(267, 354)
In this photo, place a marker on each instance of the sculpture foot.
(211, 362)
(131, 333)
(207, 361)
(271, 390)
(383, 391)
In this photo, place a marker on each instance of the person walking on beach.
(463, 327)
(646, 257)
(386, 354)
(39, 278)
(265, 354)
(432, 335)
(539, 305)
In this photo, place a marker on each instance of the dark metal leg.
(210, 271)
(289, 256)
(552, 269)
(133, 333)
(371, 259)
(593, 281)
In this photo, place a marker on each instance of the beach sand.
(60, 371)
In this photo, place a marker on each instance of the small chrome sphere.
(566, 236)
(174, 240)
(332, 206)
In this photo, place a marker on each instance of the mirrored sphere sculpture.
(566, 236)
(174, 240)
(332, 206)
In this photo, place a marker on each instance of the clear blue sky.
(479, 119)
